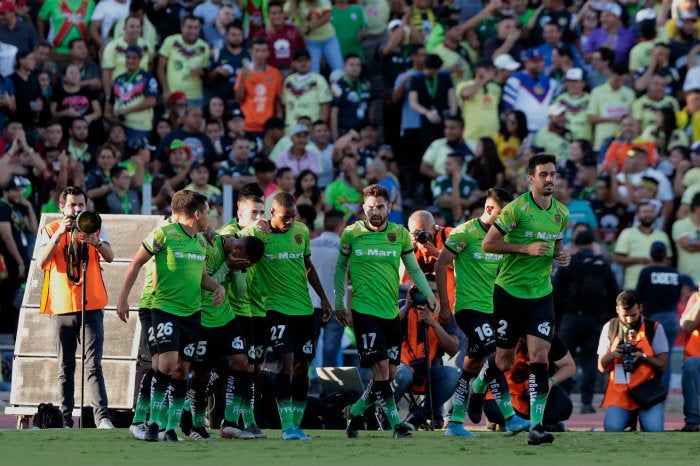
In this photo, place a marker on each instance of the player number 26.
(165, 329)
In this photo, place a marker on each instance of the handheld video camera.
(87, 221)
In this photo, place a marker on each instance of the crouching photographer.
(634, 351)
(421, 370)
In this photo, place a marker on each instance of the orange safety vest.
(616, 394)
(413, 346)
(692, 345)
(61, 296)
(427, 264)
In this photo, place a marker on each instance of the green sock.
(539, 388)
(199, 416)
(248, 413)
(298, 408)
(537, 408)
(143, 405)
(177, 401)
(385, 398)
(366, 400)
(159, 392)
(479, 383)
(501, 395)
(459, 410)
(284, 407)
(233, 409)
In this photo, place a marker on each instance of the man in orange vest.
(690, 373)
(649, 360)
(60, 244)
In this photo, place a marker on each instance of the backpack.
(589, 284)
(48, 416)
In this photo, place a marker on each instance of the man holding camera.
(64, 245)
(634, 351)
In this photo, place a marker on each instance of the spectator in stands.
(612, 31)
(104, 17)
(114, 54)
(230, 58)
(352, 99)
(283, 38)
(121, 198)
(609, 104)
(298, 158)
(575, 99)
(433, 163)
(686, 235)
(214, 33)
(555, 138)
(481, 95)
(314, 20)
(16, 31)
(98, 181)
(305, 93)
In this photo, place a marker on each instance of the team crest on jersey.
(391, 237)
(298, 239)
(157, 246)
(461, 245)
(512, 226)
(557, 218)
(538, 89)
(202, 244)
(346, 248)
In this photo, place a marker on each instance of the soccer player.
(528, 232)
(250, 312)
(179, 254)
(221, 335)
(373, 248)
(290, 315)
(475, 273)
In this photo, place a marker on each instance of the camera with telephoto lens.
(423, 236)
(418, 298)
(627, 348)
(87, 221)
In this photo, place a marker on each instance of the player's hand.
(237, 263)
(343, 317)
(562, 259)
(432, 304)
(219, 295)
(209, 235)
(445, 314)
(123, 311)
(538, 249)
(262, 225)
(326, 311)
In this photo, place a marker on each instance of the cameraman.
(428, 239)
(60, 243)
(646, 359)
(416, 361)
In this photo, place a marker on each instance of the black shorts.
(217, 342)
(478, 328)
(147, 334)
(377, 339)
(516, 317)
(176, 333)
(292, 334)
(260, 340)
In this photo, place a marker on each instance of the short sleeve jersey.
(475, 270)
(524, 222)
(146, 301)
(374, 263)
(282, 270)
(181, 58)
(179, 261)
(215, 316)
(303, 96)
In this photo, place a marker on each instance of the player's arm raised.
(141, 257)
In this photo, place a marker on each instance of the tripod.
(423, 328)
(80, 252)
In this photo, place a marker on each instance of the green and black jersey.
(475, 270)
(217, 269)
(524, 222)
(177, 273)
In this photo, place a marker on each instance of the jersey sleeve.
(307, 243)
(154, 242)
(406, 244)
(109, 56)
(345, 245)
(457, 242)
(167, 47)
(508, 219)
(324, 91)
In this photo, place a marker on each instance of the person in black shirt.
(432, 96)
(225, 63)
(28, 95)
(352, 99)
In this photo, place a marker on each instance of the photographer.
(634, 351)
(428, 239)
(417, 360)
(62, 244)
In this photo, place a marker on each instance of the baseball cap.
(556, 110)
(612, 8)
(179, 144)
(297, 129)
(532, 54)
(658, 250)
(483, 63)
(17, 182)
(393, 23)
(136, 143)
(7, 5)
(236, 112)
(506, 62)
(135, 49)
(645, 14)
(175, 96)
(574, 74)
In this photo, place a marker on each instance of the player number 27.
(276, 332)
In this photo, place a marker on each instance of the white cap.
(298, 128)
(574, 74)
(645, 14)
(505, 62)
(556, 110)
(688, 14)
(692, 79)
(612, 8)
(336, 75)
(393, 23)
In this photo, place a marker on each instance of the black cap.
(136, 143)
(17, 182)
(236, 112)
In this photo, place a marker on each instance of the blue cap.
(532, 54)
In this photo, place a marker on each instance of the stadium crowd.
(435, 101)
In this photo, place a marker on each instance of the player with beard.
(283, 273)
(373, 248)
(528, 232)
